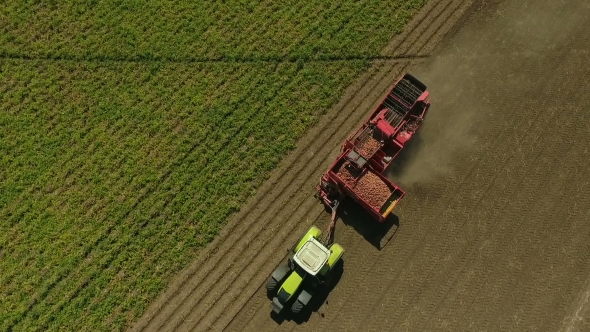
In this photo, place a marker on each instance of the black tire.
(296, 307)
(271, 286)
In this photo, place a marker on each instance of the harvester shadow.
(376, 233)
(319, 299)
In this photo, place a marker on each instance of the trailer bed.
(365, 155)
(367, 186)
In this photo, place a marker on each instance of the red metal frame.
(393, 123)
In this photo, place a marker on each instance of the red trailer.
(358, 170)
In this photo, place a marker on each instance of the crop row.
(180, 30)
(126, 196)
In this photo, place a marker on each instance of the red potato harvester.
(358, 170)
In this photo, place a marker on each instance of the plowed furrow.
(496, 233)
(437, 31)
(429, 29)
(471, 236)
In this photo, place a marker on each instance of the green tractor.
(309, 268)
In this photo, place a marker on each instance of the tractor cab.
(312, 256)
(309, 268)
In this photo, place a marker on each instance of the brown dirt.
(494, 232)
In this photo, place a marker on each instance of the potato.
(369, 147)
(369, 187)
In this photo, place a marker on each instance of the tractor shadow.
(377, 234)
(318, 300)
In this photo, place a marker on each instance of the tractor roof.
(312, 256)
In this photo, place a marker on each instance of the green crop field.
(131, 130)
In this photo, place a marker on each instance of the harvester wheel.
(296, 307)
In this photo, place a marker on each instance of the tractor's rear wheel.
(296, 307)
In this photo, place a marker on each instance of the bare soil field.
(493, 234)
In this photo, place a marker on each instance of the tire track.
(479, 289)
(555, 87)
(520, 280)
(475, 272)
(513, 264)
(426, 31)
(547, 274)
(530, 235)
(447, 23)
(418, 20)
(467, 237)
(577, 318)
(493, 234)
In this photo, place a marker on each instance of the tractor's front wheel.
(296, 307)
(271, 286)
